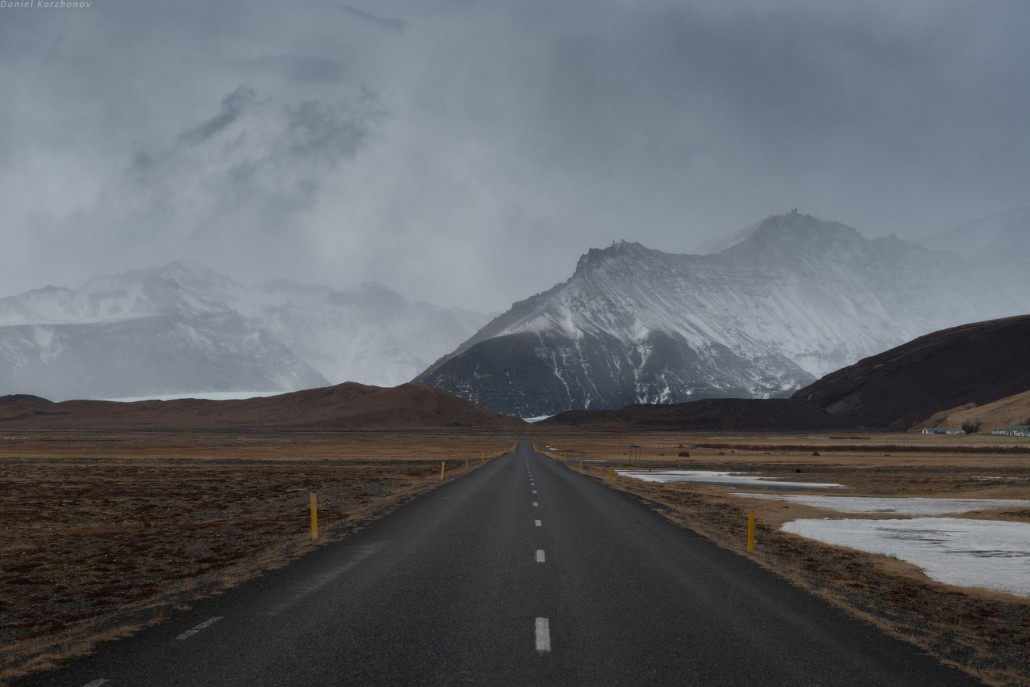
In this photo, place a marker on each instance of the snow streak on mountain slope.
(793, 300)
(183, 328)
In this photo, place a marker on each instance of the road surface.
(520, 573)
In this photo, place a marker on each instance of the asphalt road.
(520, 573)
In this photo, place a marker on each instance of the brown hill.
(976, 363)
(345, 406)
(713, 414)
(1009, 411)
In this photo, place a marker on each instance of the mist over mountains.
(183, 329)
(777, 306)
(997, 247)
(762, 313)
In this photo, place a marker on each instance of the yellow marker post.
(751, 532)
(314, 517)
(466, 465)
(441, 470)
(482, 456)
(581, 467)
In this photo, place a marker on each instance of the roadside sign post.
(314, 516)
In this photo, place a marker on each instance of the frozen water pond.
(729, 479)
(968, 553)
(900, 506)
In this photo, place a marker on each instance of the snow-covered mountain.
(184, 328)
(786, 302)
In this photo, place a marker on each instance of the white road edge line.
(539, 555)
(204, 625)
(543, 635)
(539, 524)
(96, 683)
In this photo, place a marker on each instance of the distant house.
(1014, 431)
(943, 430)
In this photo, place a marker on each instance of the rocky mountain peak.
(619, 250)
(796, 228)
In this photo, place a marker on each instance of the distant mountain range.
(183, 328)
(343, 406)
(779, 305)
(764, 312)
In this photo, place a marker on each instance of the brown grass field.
(104, 532)
(987, 634)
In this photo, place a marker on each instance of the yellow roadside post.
(441, 470)
(314, 517)
(751, 532)
(466, 464)
(611, 475)
(581, 467)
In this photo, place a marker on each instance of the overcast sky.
(466, 153)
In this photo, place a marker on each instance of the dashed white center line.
(96, 683)
(539, 555)
(539, 524)
(204, 625)
(536, 505)
(543, 635)
(534, 491)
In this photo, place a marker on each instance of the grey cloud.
(271, 169)
(520, 133)
(141, 160)
(316, 129)
(233, 105)
(299, 67)
(387, 23)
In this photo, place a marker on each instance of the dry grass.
(102, 532)
(987, 634)
(1014, 410)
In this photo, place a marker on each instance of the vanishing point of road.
(522, 572)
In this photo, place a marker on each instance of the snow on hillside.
(284, 335)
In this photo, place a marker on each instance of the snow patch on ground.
(900, 506)
(967, 553)
(730, 479)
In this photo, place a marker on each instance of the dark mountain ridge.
(976, 363)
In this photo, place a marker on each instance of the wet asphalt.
(522, 572)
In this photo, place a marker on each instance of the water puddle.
(967, 553)
(893, 505)
(729, 479)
